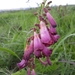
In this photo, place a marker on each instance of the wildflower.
(38, 47)
(50, 18)
(33, 72)
(28, 51)
(48, 60)
(44, 34)
(22, 64)
(52, 30)
(39, 42)
(28, 71)
(56, 37)
(31, 47)
(47, 53)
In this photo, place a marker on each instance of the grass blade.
(62, 41)
(9, 51)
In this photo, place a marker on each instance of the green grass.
(15, 29)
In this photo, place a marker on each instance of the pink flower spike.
(28, 71)
(33, 72)
(50, 18)
(44, 34)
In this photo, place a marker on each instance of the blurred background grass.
(15, 28)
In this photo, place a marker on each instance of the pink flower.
(28, 71)
(56, 37)
(33, 72)
(52, 30)
(50, 18)
(31, 47)
(38, 46)
(22, 64)
(28, 51)
(44, 34)
(48, 60)
(47, 52)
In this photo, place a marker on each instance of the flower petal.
(55, 37)
(37, 42)
(47, 52)
(22, 64)
(31, 47)
(44, 34)
(37, 54)
(33, 72)
(38, 46)
(52, 30)
(48, 60)
(28, 51)
(28, 71)
(50, 18)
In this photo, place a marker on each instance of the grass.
(15, 29)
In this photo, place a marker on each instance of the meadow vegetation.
(15, 29)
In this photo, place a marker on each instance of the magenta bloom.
(22, 64)
(52, 30)
(50, 18)
(48, 60)
(44, 34)
(33, 72)
(28, 51)
(56, 37)
(37, 42)
(38, 46)
(28, 71)
(46, 52)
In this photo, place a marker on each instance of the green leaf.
(9, 51)
(21, 72)
(62, 42)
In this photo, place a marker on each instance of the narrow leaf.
(9, 51)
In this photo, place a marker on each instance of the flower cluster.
(40, 42)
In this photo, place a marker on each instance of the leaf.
(9, 51)
(62, 41)
(21, 72)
